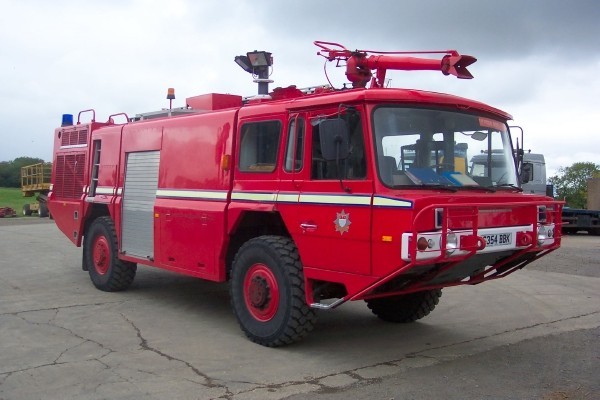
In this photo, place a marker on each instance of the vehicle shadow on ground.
(339, 331)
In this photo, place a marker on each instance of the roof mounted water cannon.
(258, 64)
(359, 64)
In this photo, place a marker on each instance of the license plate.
(497, 239)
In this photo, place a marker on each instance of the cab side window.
(259, 146)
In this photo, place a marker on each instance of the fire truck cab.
(304, 199)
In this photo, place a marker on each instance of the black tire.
(107, 272)
(43, 210)
(405, 308)
(267, 292)
(27, 209)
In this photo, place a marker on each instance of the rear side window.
(259, 146)
(295, 141)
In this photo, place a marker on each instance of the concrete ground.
(531, 335)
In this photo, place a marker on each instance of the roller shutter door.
(139, 194)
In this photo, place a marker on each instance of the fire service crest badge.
(342, 222)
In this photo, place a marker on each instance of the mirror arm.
(520, 151)
(338, 144)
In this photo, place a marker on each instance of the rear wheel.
(43, 210)
(405, 308)
(107, 272)
(267, 292)
(26, 209)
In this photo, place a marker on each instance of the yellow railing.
(35, 178)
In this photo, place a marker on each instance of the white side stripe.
(192, 194)
(357, 200)
(106, 190)
(270, 197)
(387, 202)
(335, 199)
(287, 197)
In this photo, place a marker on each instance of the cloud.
(511, 28)
(536, 59)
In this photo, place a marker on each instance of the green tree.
(571, 182)
(10, 171)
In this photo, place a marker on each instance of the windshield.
(422, 147)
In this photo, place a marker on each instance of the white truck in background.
(537, 179)
(533, 181)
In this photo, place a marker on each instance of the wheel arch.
(93, 212)
(248, 225)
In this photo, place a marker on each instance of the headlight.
(451, 242)
(544, 232)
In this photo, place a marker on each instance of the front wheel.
(107, 271)
(405, 308)
(267, 292)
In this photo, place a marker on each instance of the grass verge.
(13, 198)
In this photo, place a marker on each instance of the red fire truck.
(305, 199)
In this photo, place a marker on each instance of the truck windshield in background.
(428, 147)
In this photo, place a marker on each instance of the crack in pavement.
(353, 373)
(83, 339)
(210, 382)
(57, 309)
(522, 328)
(73, 347)
(69, 331)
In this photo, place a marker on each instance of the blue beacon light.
(67, 120)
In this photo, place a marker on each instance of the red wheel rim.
(261, 292)
(101, 255)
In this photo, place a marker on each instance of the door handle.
(308, 227)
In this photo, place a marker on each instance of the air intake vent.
(69, 176)
(74, 137)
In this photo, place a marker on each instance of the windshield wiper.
(509, 185)
(472, 187)
(435, 186)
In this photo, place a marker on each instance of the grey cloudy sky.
(538, 59)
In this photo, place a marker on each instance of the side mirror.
(335, 140)
(526, 172)
(479, 136)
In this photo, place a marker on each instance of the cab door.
(291, 176)
(334, 212)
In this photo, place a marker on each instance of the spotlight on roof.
(257, 63)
